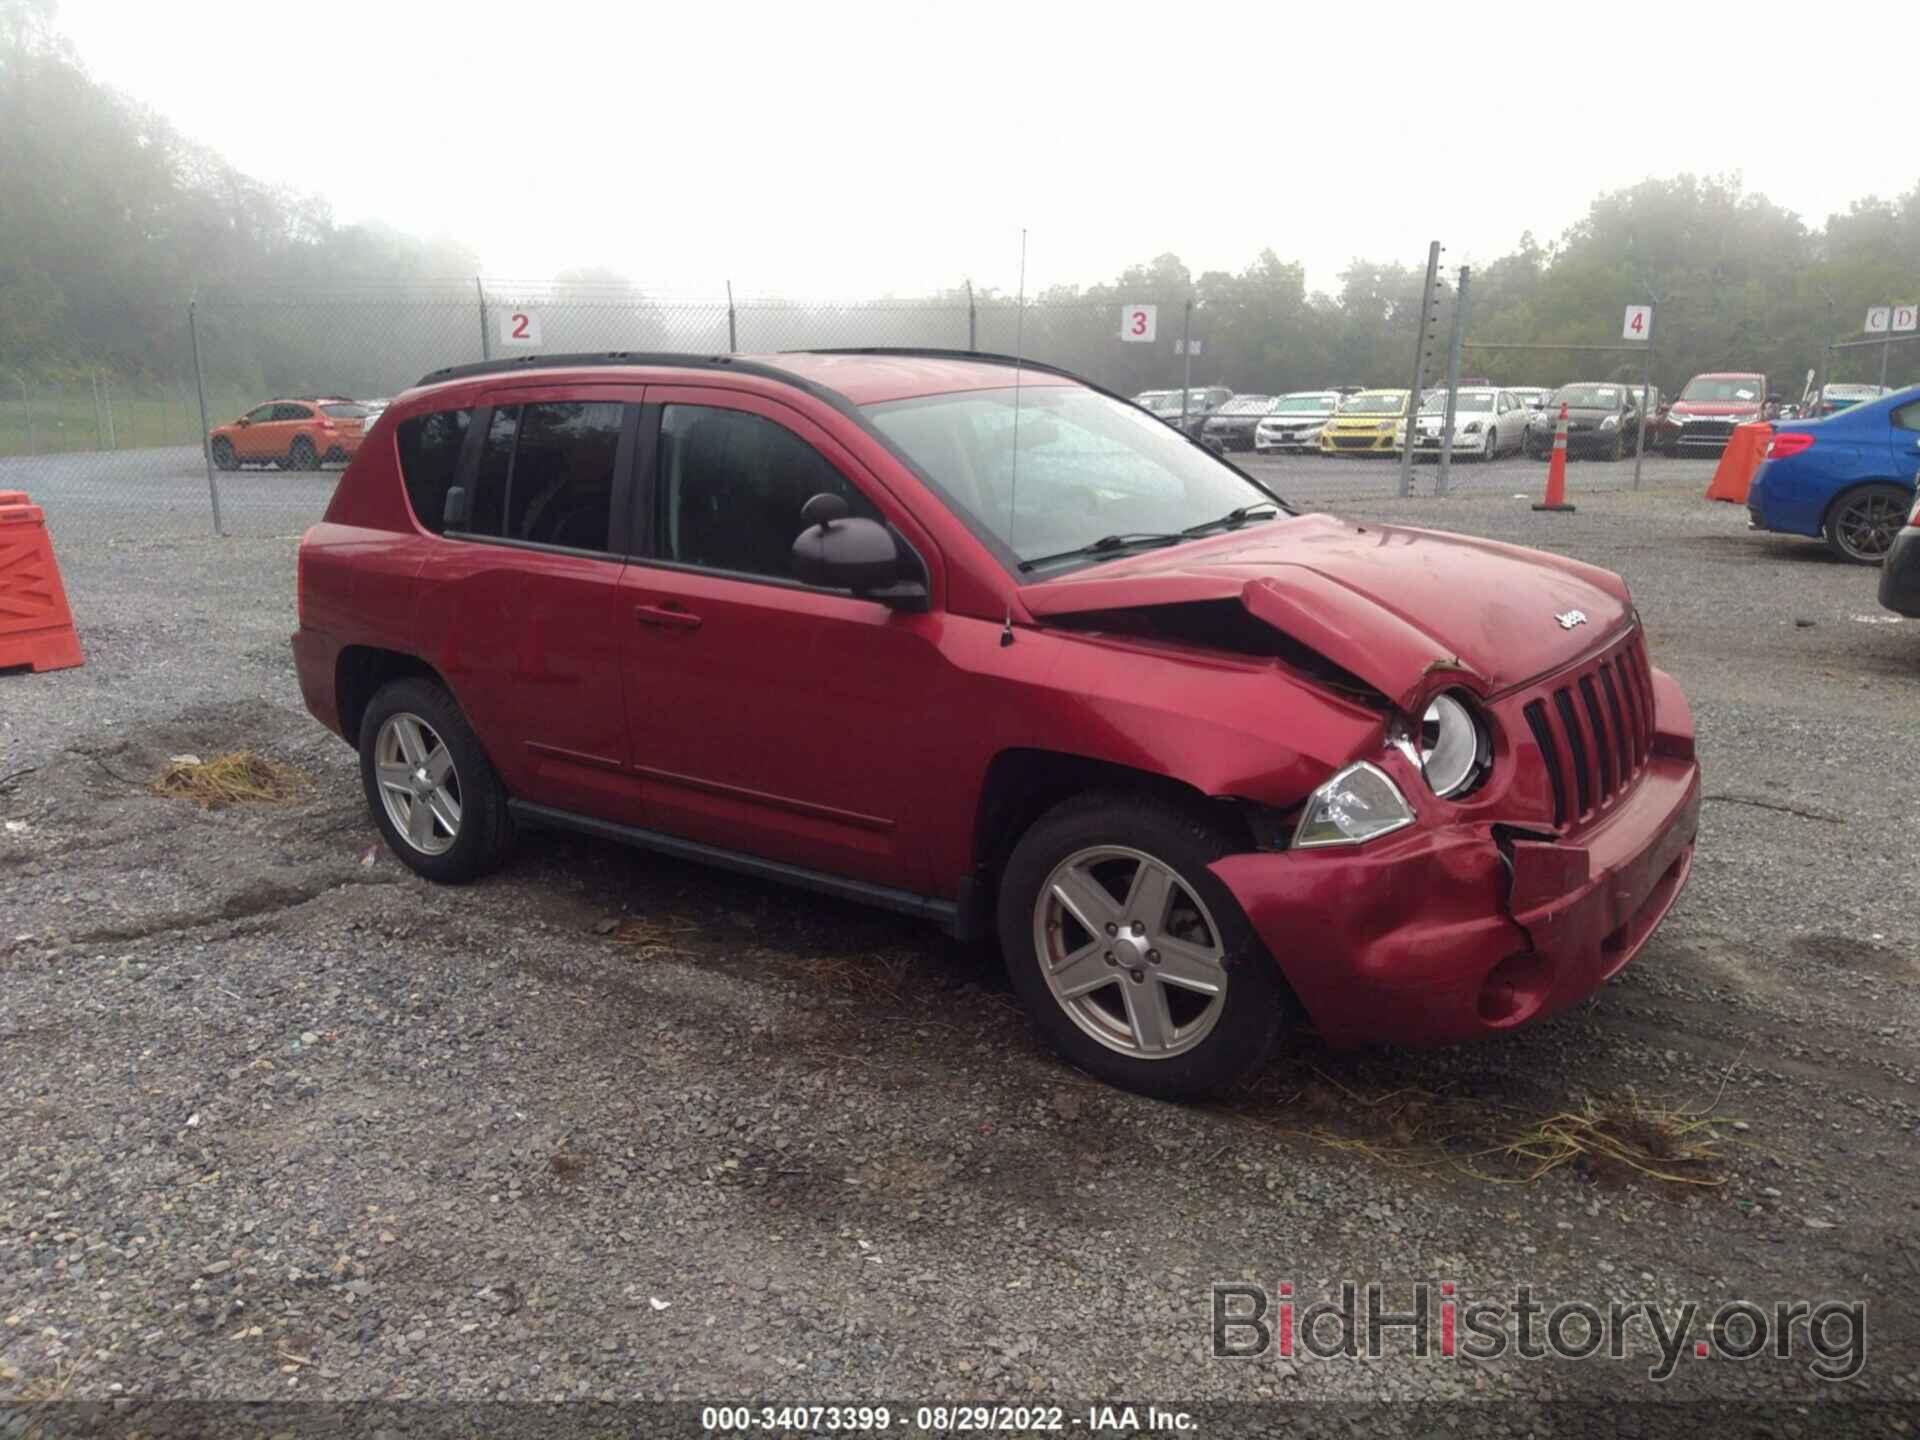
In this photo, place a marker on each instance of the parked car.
(1294, 421)
(1900, 575)
(1156, 400)
(1151, 726)
(1702, 418)
(300, 434)
(1848, 478)
(1202, 401)
(1487, 423)
(1832, 399)
(1531, 396)
(1367, 422)
(1231, 426)
(1602, 421)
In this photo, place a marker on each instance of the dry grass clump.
(238, 778)
(1619, 1140)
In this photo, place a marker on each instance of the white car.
(1294, 421)
(1487, 423)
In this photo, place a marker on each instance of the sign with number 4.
(522, 327)
(1639, 322)
(1138, 323)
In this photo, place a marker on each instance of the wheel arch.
(358, 675)
(1860, 482)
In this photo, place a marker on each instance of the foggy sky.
(852, 150)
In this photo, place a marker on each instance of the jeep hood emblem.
(1571, 618)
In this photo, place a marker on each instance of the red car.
(991, 646)
(292, 434)
(1701, 420)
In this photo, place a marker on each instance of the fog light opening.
(1515, 989)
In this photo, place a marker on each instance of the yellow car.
(1366, 424)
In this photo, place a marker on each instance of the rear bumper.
(1435, 937)
(316, 659)
(1900, 574)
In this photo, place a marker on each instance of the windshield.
(1724, 390)
(1246, 405)
(1375, 402)
(1436, 402)
(1306, 403)
(1089, 467)
(1592, 397)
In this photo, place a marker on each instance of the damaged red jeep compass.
(983, 643)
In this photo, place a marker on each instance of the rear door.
(522, 596)
(1904, 435)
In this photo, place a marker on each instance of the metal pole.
(733, 334)
(1186, 349)
(93, 383)
(1455, 341)
(200, 385)
(973, 331)
(106, 394)
(480, 294)
(26, 404)
(1419, 367)
(1646, 395)
(1886, 347)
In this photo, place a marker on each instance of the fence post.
(973, 324)
(480, 293)
(1186, 349)
(1419, 367)
(200, 386)
(26, 405)
(1454, 343)
(733, 335)
(106, 395)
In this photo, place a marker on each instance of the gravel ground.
(279, 1120)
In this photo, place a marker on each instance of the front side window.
(260, 414)
(430, 448)
(1088, 468)
(730, 487)
(546, 474)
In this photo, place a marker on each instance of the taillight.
(1914, 518)
(1788, 442)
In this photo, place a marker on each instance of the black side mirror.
(849, 552)
(453, 511)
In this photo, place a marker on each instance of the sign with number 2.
(521, 327)
(1137, 323)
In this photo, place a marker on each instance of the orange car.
(300, 434)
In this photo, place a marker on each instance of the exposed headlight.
(1450, 747)
(1353, 807)
(1386, 425)
(1472, 428)
(1612, 422)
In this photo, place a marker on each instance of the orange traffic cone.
(1557, 468)
(36, 627)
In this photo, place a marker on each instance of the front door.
(254, 440)
(768, 716)
(523, 596)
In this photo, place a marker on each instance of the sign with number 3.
(1137, 323)
(521, 327)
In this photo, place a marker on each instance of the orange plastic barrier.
(1745, 449)
(36, 627)
(1557, 469)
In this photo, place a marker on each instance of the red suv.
(986, 644)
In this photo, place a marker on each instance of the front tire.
(1861, 524)
(434, 794)
(301, 455)
(223, 456)
(1129, 953)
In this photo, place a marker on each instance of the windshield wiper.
(1233, 519)
(1108, 545)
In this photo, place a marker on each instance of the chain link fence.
(117, 457)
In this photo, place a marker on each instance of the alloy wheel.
(418, 783)
(1129, 952)
(1865, 526)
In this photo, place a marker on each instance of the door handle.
(666, 617)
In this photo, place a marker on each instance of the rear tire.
(434, 794)
(1130, 872)
(1862, 522)
(301, 456)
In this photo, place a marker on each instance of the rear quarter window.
(430, 448)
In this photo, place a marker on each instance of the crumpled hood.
(1393, 605)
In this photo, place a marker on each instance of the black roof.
(745, 365)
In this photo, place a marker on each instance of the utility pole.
(1419, 366)
(200, 386)
(1455, 342)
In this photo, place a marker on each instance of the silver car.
(1294, 421)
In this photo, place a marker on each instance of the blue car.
(1847, 478)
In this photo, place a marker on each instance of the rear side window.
(430, 448)
(546, 474)
(1907, 417)
(292, 412)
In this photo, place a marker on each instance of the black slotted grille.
(1594, 729)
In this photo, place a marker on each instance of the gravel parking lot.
(281, 1120)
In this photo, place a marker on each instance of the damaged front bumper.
(1438, 935)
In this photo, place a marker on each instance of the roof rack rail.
(586, 358)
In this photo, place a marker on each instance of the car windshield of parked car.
(1375, 402)
(1735, 391)
(1436, 402)
(1088, 468)
(1591, 397)
(1246, 405)
(1306, 404)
